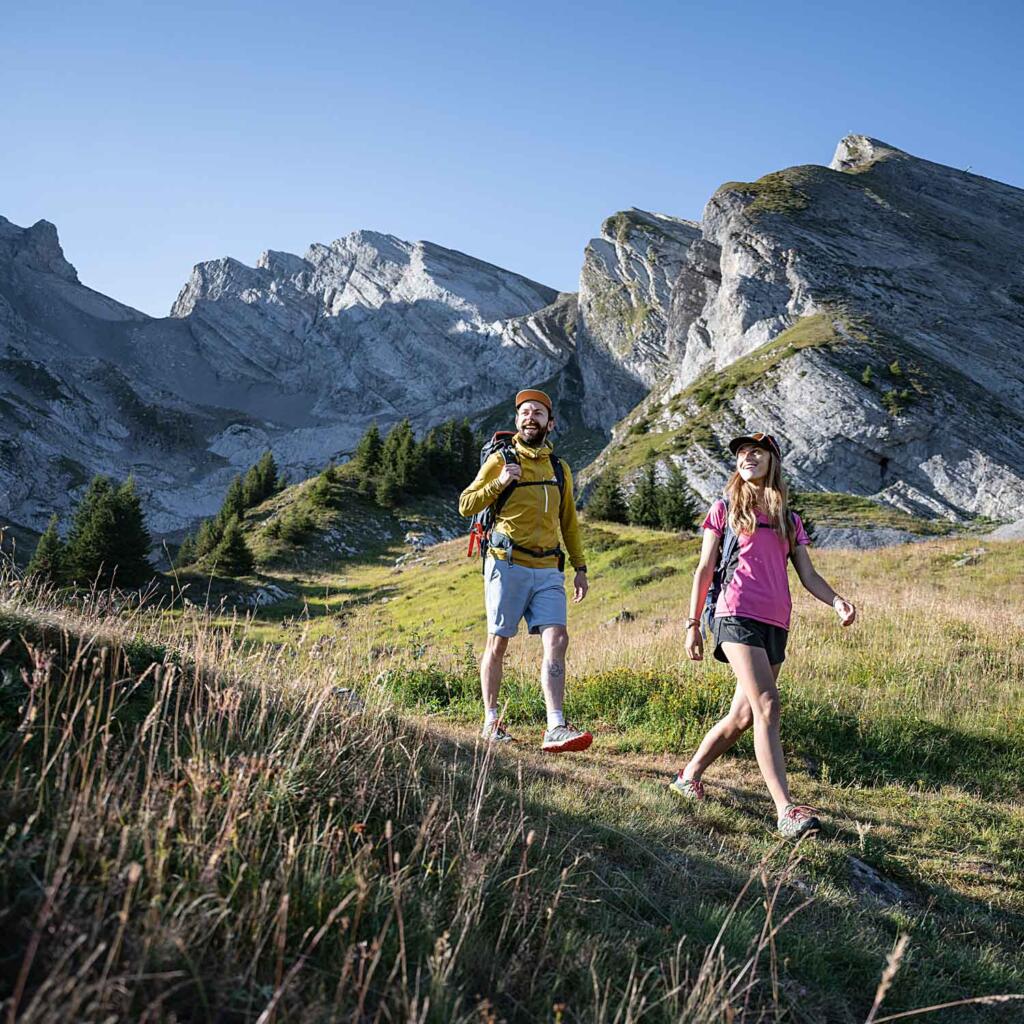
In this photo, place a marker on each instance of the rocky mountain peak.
(869, 313)
(858, 152)
(37, 248)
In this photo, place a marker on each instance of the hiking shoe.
(688, 789)
(797, 819)
(564, 738)
(494, 732)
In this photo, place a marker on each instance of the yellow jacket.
(532, 516)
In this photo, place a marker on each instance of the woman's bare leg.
(722, 736)
(725, 733)
(756, 678)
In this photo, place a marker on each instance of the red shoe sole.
(580, 743)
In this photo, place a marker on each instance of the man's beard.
(539, 436)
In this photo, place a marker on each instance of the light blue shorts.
(514, 591)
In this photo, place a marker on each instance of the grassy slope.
(908, 732)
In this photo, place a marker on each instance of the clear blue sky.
(156, 135)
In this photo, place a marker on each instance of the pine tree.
(388, 490)
(208, 536)
(676, 508)
(449, 453)
(369, 451)
(266, 470)
(232, 556)
(186, 552)
(133, 540)
(320, 492)
(234, 502)
(92, 539)
(48, 559)
(468, 448)
(389, 458)
(643, 502)
(412, 466)
(608, 502)
(433, 459)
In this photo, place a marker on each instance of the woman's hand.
(844, 609)
(694, 643)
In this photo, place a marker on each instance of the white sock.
(491, 716)
(555, 719)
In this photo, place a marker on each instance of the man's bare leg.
(491, 666)
(555, 641)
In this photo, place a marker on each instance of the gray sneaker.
(494, 732)
(797, 819)
(564, 738)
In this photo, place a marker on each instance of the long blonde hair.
(742, 497)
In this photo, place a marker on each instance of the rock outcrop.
(625, 296)
(870, 314)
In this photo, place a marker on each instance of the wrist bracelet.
(692, 622)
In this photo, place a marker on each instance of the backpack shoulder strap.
(511, 457)
(559, 469)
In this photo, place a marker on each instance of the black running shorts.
(739, 629)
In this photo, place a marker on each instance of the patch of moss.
(778, 192)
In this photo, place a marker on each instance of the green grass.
(830, 508)
(707, 399)
(253, 805)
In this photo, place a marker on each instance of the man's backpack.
(481, 533)
(725, 567)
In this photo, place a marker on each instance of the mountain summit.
(869, 313)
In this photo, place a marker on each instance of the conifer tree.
(232, 556)
(261, 481)
(388, 490)
(48, 559)
(608, 502)
(234, 502)
(389, 459)
(208, 536)
(449, 453)
(643, 502)
(92, 542)
(676, 508)
(368, 453)
(320, 492)
(411, 465)
(433, 459)
(132, 538)
(468, 446)
(186, 554)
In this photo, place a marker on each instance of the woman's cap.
(758, 439)
(532, 395)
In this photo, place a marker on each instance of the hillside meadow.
(199, 826)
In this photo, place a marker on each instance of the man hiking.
(531, 491)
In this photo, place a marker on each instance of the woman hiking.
(751, 616)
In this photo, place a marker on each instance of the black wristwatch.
(581, 568)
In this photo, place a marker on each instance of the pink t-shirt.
(759, 588)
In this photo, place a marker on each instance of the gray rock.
(1008, 531)
(625, 295)
(863, 539)
(881, 261)
(867, 881)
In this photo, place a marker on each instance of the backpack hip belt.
(505, 543)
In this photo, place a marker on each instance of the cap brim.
(737, 442)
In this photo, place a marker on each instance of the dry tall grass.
(195, 829)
